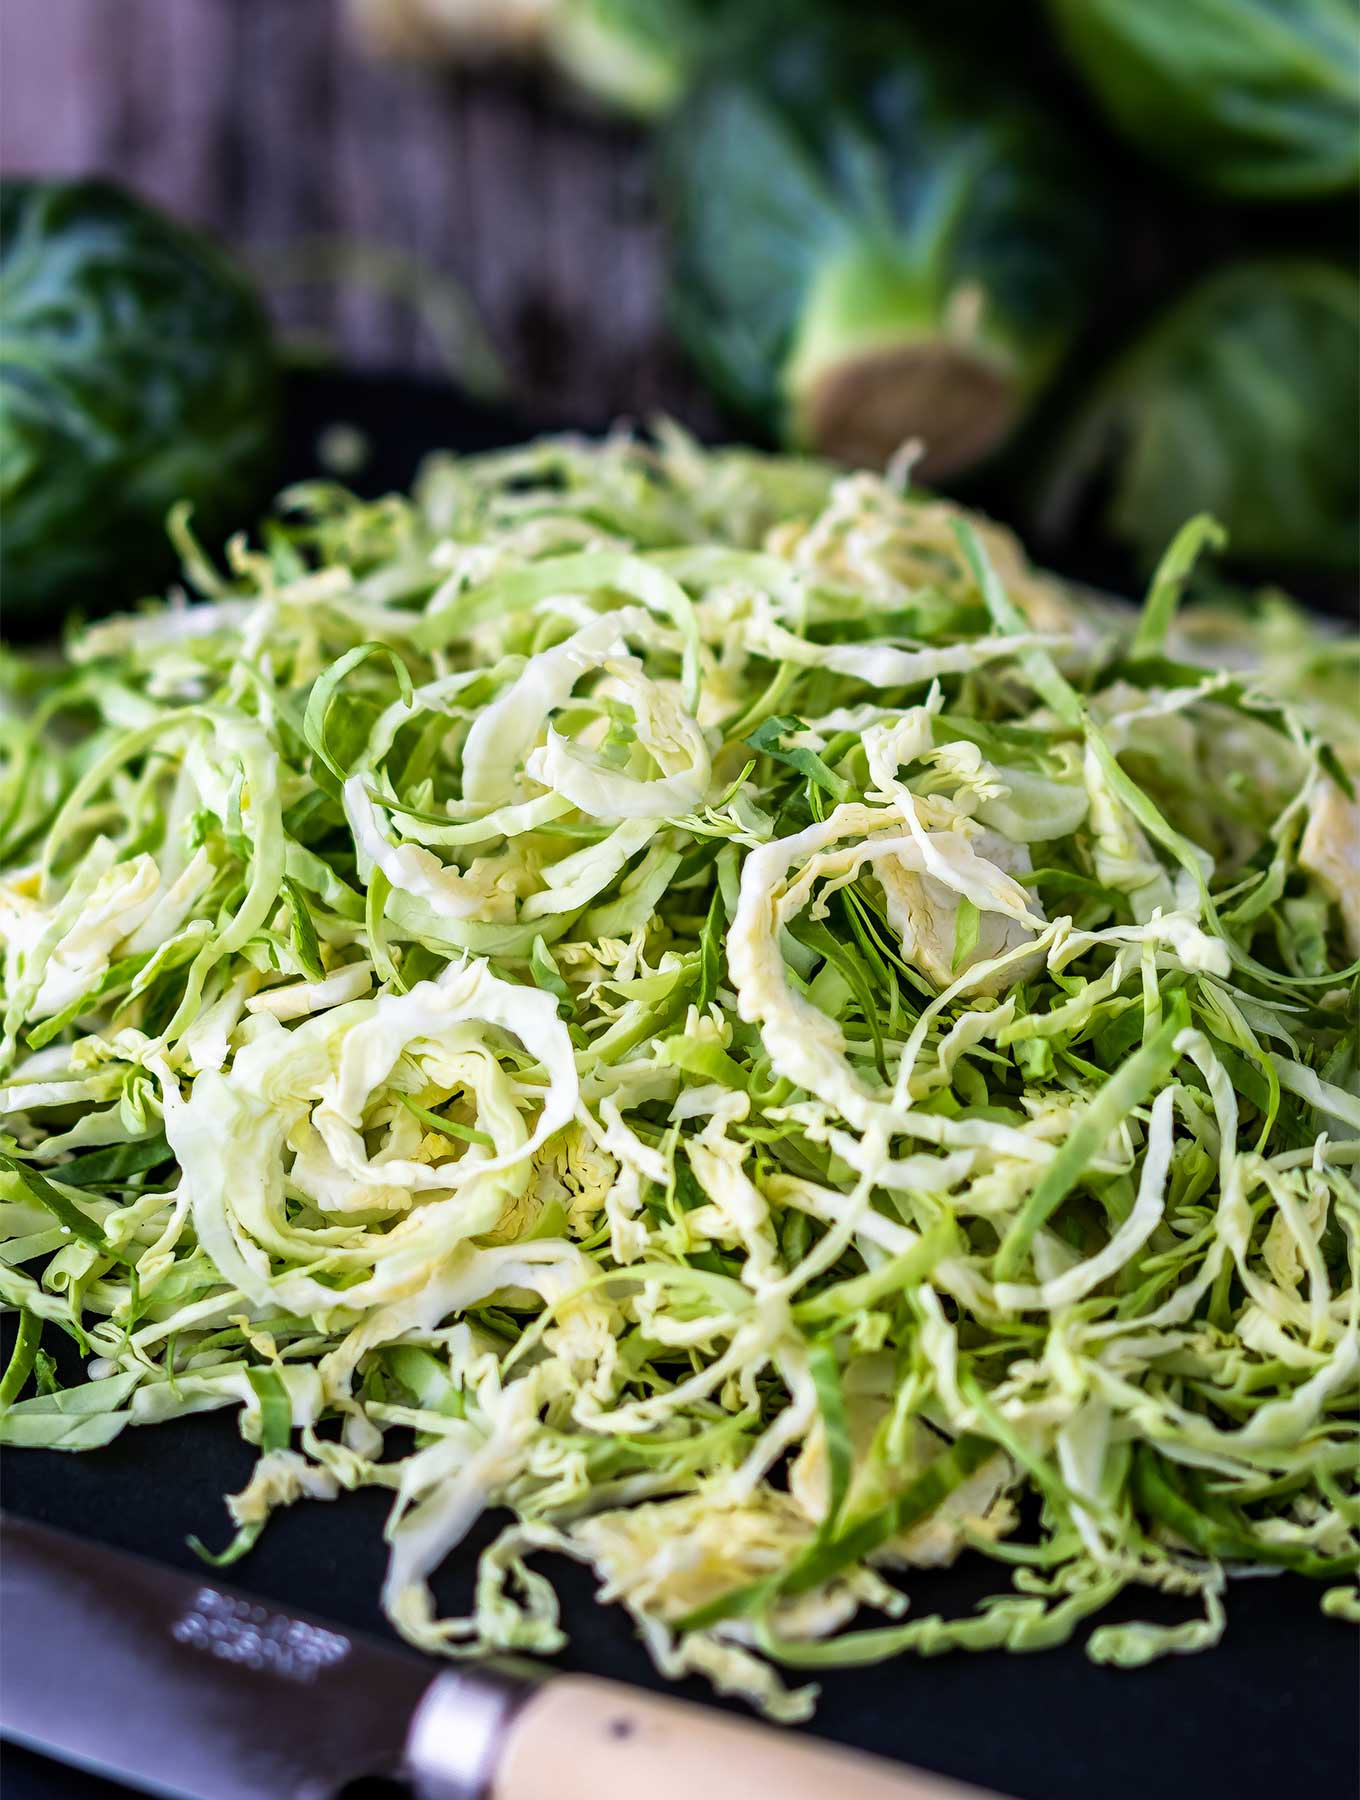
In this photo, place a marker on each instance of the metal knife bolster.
(459, 1728)
(188, 1688)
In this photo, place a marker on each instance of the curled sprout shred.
(701, 1002)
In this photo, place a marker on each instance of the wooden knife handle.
(580, 1738)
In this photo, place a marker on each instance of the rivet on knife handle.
(580, 1738)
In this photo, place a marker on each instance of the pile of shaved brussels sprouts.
(701, 1002)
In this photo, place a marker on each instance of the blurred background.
(1099, 259)
(273, 124)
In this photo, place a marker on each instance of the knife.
(189, 1689)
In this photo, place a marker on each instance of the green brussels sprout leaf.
(136, 369)
(1240, 402)
(1259, 98)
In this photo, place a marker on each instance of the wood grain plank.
(55, 95)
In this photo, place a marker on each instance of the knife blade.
(190, 1689)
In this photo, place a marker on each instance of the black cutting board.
(1272, 1711)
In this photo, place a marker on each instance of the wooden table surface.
(263, 120)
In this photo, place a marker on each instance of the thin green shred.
(22, 1359)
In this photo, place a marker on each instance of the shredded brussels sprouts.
(730, 1017)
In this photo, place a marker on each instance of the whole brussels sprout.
(1243, 401)
(136, 369)
(868, 245)
(1253, 97)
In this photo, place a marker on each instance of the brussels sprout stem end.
(879, 360)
